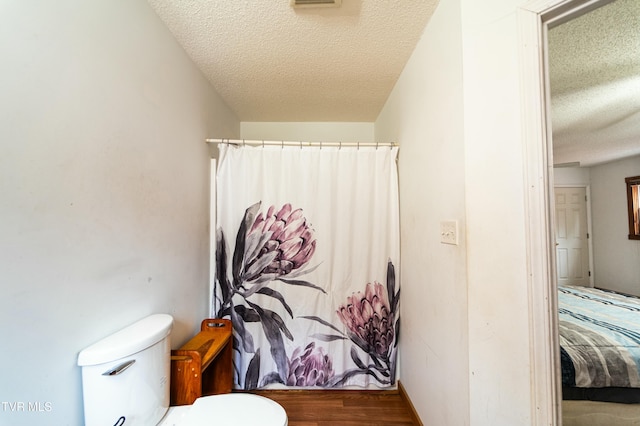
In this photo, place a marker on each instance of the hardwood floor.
(344, 407)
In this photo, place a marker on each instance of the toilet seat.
(232, 409)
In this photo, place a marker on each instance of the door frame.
(534, 18)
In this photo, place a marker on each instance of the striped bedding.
(599, 338)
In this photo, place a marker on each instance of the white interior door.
(572, 239)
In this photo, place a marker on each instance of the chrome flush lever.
(119, 369)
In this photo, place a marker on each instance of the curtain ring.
(376, 145)
(263, 143)
(320, 144)
(281, 144)
(339, 146)
(358, 146)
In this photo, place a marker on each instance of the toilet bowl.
(232, 409)
(125, 382)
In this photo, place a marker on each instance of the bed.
(599, 345)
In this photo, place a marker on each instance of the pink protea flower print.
(369, 319)
(278, 243)
(309, 367)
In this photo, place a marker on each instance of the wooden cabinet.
(204, 365)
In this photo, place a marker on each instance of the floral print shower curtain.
(306, 264)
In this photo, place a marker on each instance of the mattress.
(599, 344)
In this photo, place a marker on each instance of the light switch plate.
(449, 232)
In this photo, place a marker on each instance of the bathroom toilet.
(125, 382)
(230, 409)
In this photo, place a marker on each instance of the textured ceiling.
(594, 72)
(271, 62)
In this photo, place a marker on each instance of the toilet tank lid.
(128, 341)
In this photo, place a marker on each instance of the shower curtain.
(306, 264)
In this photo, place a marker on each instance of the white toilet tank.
(125, 376)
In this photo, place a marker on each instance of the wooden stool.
(204, 365)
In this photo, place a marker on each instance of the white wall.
(499, 346)
(616, 257)
(572, 176)
(456, 113)
(425, 115)
(104, 183)
(308, 132)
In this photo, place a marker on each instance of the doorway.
(535, 18)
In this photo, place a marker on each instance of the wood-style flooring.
(344, 407)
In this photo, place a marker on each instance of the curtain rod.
(301, 144)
